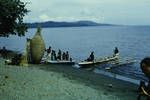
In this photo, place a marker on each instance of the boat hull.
(60, 62)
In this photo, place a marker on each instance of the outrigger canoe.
(85, 64)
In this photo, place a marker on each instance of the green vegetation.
(11, 18)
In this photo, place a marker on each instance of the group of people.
(15, 60)
(51, 55)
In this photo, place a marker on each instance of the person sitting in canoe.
(71, 59)
(116, 51)
(91, 57)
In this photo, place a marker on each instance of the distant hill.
(65, 24)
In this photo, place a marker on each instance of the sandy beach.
(51, 82)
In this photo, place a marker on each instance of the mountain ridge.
(65, 24)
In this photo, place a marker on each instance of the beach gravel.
(45, 82)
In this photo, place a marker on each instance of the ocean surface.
(132, 42)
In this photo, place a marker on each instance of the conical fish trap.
(37, 47)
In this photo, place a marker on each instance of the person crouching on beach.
(143, 89)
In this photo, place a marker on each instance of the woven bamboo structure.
(37, 47)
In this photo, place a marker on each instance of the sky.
(125, 12)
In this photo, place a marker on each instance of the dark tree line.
(11, 18)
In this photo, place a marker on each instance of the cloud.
(44, 17)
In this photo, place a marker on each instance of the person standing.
(59, 55)
(48, 55)
(55, 58)
(48, 50)
(53, 55)
(67, 55)
(63, 56)
(28, 50)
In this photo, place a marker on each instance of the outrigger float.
(121, 63)
(85, 64)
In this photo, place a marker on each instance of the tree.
(11, 18)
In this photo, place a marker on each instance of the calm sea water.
(132, 41)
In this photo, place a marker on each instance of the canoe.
(61, 62)
(85, 64)
(47, 60)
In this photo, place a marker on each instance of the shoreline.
(64, 81)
